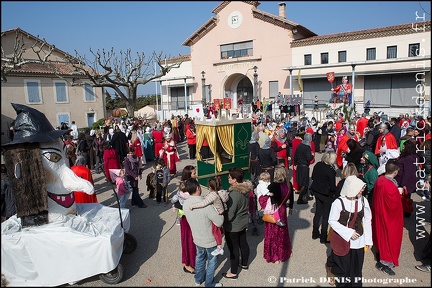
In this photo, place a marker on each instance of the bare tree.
(121, 72)
(16, 59)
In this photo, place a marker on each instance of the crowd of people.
(377, 159)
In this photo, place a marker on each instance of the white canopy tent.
(146, 113)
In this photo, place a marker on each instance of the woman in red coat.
(158, 137)
(191, 141)
(135, 143)
(111, 161)
(82, 171)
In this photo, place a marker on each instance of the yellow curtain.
(226, 138)
(210, 135)
(199, 140)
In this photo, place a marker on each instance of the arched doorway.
(245, 90)
(239, 88)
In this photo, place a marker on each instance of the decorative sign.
(330, 77)
(227, 103)
(217, 103)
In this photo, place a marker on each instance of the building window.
(60, 92)
(89, 94)
(178, 97)
(324, 58)
(414, 50)
(273, 89)
(33, 91)
(391, 52)
(308, 59)
(371, 54)
(63, 117)
(236, 50)
(342, 56)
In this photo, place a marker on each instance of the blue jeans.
(202, 255)
(122, 199)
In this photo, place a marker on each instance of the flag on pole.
(299, 81)
(330, 77)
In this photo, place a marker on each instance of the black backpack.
(159, 176)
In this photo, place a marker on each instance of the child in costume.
(262, 190)
(162, 177)
(123, 188)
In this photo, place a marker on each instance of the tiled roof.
(182, 58)
(264, 16)
(20, 31)
(47, 69)
(225, 3)
(402, 29)
(201, 32)
(281, 22)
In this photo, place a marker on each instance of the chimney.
(282, 10)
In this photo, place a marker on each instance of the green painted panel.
(204, 168)
(242, 135)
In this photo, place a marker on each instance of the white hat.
(352, 186)
(92, 132)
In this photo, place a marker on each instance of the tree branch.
(16, 60)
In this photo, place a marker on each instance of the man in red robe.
(387, 219)
(361, 124)
(386, 146)
(342, 147)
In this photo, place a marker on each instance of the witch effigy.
(38, 168)
(48, 222)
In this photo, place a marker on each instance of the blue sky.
(147, 26)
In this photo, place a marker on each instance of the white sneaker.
(217, 251)
(218, 284)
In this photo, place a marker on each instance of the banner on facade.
(197, 111)
(299, 81)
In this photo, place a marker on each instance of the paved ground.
(157, 259)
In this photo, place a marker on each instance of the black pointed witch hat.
(32, 126)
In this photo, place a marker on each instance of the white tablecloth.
(68, 250)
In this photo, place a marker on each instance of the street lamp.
(255, 75)
(203, 88)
